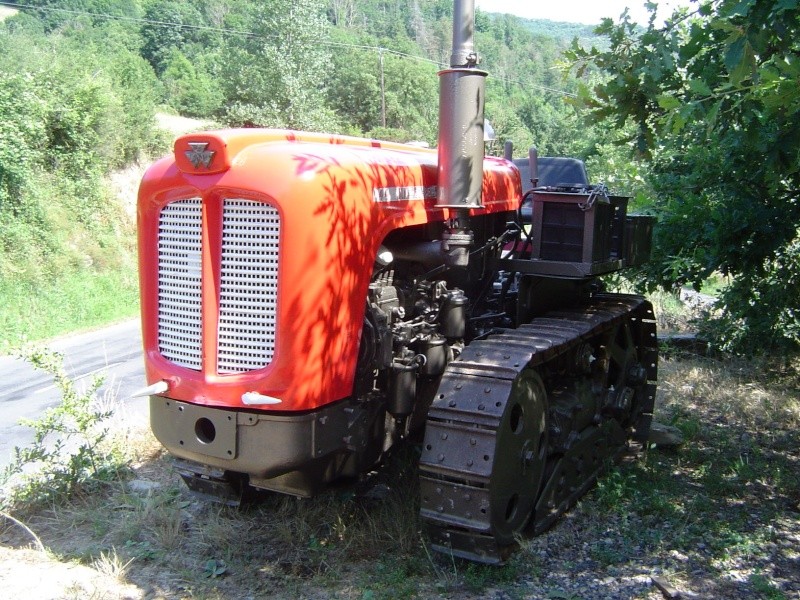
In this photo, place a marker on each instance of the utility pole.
(383, 90)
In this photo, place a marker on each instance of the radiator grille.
(248, 286)
(179, 282)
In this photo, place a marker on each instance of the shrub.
(69, 448)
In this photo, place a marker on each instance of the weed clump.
(71, 448)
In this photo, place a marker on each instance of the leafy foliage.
(74, 104)
(714, 103)
(351, 66)
(273, 77)
(318, 65)
(169, 26)
(190, 88)
(21, 135)
(68, 446)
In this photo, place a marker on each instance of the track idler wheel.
(519, 458)
(483, 462)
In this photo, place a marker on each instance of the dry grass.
(111, 566)
(744, 393)
(717, 517)
(124, 184)
(6, 12)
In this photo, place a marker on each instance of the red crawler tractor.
(309, 301)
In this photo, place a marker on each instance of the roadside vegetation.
(73, 447)
(73, 107)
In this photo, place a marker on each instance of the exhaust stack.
(461, 134)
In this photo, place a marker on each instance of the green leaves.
(700, 87)
(22, 137)
(668, 102)
(742, 8)
(740, 60)
(711, 117)
(214, 568)
(717, 105)
(68, 446)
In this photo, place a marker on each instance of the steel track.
(460, 454)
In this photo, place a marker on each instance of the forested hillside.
(365, 67)
(81, 81)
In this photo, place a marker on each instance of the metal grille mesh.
(248, 286)
(179, 282)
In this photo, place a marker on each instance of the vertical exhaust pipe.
(462, 90)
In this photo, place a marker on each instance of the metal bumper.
(260, 445)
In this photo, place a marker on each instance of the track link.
(467, 452)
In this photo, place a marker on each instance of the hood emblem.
(198, 155)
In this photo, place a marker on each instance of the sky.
(589, 12)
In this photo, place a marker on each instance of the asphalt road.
(114, 352)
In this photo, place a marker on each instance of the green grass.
(715, 284)
(716, 499)
(75, 300)
(764, 587)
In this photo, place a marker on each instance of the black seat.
(554, 171)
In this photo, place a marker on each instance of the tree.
(189, 88)
(342, 12)
(170, 26)
(412, 94)
(715, 105)
(353, 82)
(275, 76)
